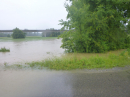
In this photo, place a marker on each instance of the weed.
(80, 63)
(48, 52)
(107, 60)
(4, 50)
(5, 64)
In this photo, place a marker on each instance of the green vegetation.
(128, 27)
(84, 63)
(8, 35)
(96, 26)
(4, 35)
(28, 38)
(52, 33)
(17, 33)
(80, 61)
(55, 34)
(15, 66)
(4, 50)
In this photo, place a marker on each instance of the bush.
(95, 26)
(4, 50)
(18, 33)
(8, 35)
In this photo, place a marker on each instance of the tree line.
(96, 25)
(51, 34)
(17, 33)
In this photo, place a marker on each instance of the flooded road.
(28, 51)
(50, 83)
(45, 83)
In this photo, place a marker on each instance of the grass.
(4, 50)
(119, 58)
(28, 38)
(83, 63)
(94, 61)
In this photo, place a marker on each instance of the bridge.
(27, 31)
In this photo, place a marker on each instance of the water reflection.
(26, 51)
(45, 83)
(34, 84)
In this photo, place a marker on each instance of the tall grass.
(110, 61)
(4, 50)
(102, 61)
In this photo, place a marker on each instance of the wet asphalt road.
(77, 83)
(114, 84)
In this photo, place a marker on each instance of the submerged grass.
(4, 50)
(15, 66)
(92, 62)
(75, 61)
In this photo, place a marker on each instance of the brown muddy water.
(28, 51)
(49, 83)
(76, 83)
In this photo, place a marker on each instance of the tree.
(128, 27)
(17, 33)
(95, 25)
(52, 33)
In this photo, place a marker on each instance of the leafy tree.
(95, 25)
(128, 27)
(17, 33)
(55, 34)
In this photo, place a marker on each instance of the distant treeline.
(48, 34)
(51, 34)
(4, 35)
(43, 34)
(33, 34)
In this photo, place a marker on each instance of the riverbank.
(29, 49)
(27, 38)
(74, 61)
(45, 52)
(93, 62)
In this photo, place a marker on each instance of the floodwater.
(45, 83)
(51, 83)
(28, 51)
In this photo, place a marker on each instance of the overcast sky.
(31, 14)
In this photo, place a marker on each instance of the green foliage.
(83, 63)
(8, 35)
(30, 38)
(96, 26)
(94, 61)
(17, 33)
(52, 33)
(128, 27)
(55, 34)
(4, 50)
(125, 52)
(3, 35)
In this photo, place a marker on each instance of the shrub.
(4, 50)
(18, 33)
